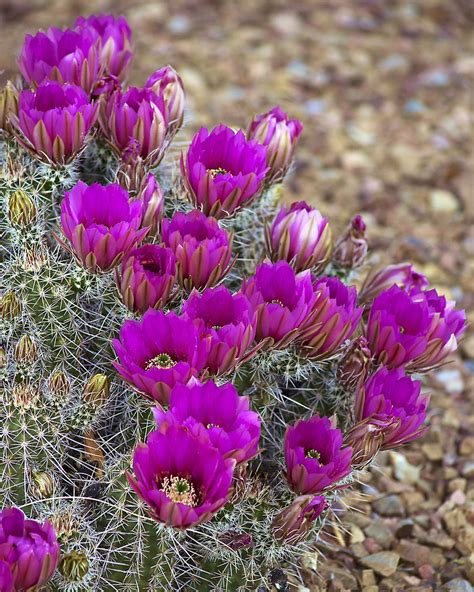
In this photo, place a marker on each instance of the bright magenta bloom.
(181, 477)
(401, 274)
(6, 578)
(167, 83)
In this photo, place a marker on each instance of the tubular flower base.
(157, 372)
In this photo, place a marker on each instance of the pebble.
(384, 563)
(457, 585)
(381, 533)
(390, 505)
(452, 380)
(403, 470)
(466, 447)
(443, 201)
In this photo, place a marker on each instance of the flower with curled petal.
(168, 84)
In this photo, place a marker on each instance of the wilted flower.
(217, 413)
(315, 459)
(101, 225)
(202, 249)
(282, 299)
(147, 278)
(401, 274)
(334, 318)
(6, 577)
(160, 351)
(390, 397)
(401, 324)
(167, 83)
(61, 55)
(351, 249)
(299, 235)
(354, 364)
(280, 135)
(115, 40)
(54, 121)
(182, 478)
(292, 524)
(135, 124)
(30, 549)
(223, 171)
(8, 105)
(229, 320)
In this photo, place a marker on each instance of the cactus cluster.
(188, 378)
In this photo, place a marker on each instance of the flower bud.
(43, 485)
(26, 351)
(380, 280)
(292, 524)
(8, 104)
(96, 390)
(366, 438)
(235, 540)
(59, 385)
(74, 566)
(153, 199)
(168, 84)
(10, 306)
(3, 358)
(351, 249)
(354, 364)
(21, 209)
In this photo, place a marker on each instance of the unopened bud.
(26, 351)
(236, 540)
(97, 390)
(292, 524)
(351, 249)
(153, 200)
(59, 384)
(10, 306)
(367, 437)
(21, 209)
(43, 485)
(8, 105)
(74, 566)
(354, 364)
(3, 358)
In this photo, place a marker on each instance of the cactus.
(73, 426)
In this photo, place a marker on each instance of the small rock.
(357, 535)
(381, 533)
(468, 469)
(426, 571)
(384, 563)
(433, 451)
(443, 201)
(405, 529)
(466, 447)
(452, 380)
(457, 484)
(372, 546)
(457, 585)
(389, 505)
(368, 578)
(403, 470)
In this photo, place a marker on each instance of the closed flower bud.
(43, 485)
(168, 84)
(292, 524)
(21, 209)
(97, 390)
(74, 566)
(3, 358)
(10, 306)
(235, 540)
(8, 105)
(354, 364)
(59, 385)
(366, 438)
(26, 351)
(351, 249)
(153, 199)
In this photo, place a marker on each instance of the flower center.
(180, 490)
(212, 425)
(276, 301)
(402, 330)
(216, 327)
(164, 361)
(151, 265)
(215, 172)
(312, 453)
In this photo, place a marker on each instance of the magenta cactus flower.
(223, 171)
(6, 577)
(160, 351)
(315, 458)
(335, 318)
(229, 320)
(115, 40)
(417, 328)
(292, 524)
(202, 249)
(147, 279)
(168, 84)
(101, 225)
(183, 479)
(282, 299)
(54, 121)
(135, 124)
(279, 135)
(29, 548)
(391, 397)
(61, 55)
(401, 274)
(351, 249)
(217, 413)
(301, 236)
(152, 196)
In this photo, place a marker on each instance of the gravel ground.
(383, 89)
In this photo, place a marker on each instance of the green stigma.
(164, 361)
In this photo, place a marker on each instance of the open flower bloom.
(115, 40)
(181, 477)
(148, 275)
(418, 328)
(63, 56)
(280, 135)
(229, 320)
(315, 458)
(29, 548)
(223, 171)
(334, 319)
(390, 397)
(54, 121)
(160, 351)
(292, 524)
(401, 274)
(6, 577)
(301, 236)
(135, 124)
(282, 299)
(101, 225)
(217, 413)
(202, 249)
(167, 83)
